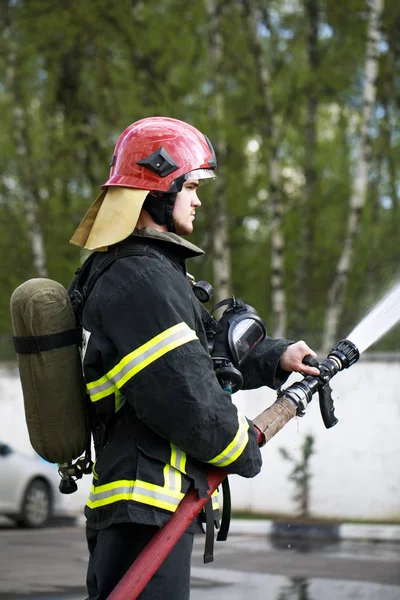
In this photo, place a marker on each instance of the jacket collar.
(176, 243)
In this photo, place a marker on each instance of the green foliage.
(75, 74)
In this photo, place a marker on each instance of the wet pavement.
(266, 569)
(51, 564)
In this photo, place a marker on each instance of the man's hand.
(292, 359)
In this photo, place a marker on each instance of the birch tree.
(72, 77)
(389, 119)
(220, 224)
(385, 167)
(305, 250)
(269, 132)
(25, 172)
(336, 293)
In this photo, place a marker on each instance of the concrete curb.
(345, 531)
(387, 533)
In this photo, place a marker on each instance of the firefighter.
(159, 418)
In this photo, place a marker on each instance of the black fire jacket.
(159, 416)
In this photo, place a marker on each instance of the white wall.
(355, 468)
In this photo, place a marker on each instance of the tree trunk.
(305, 250)
(269, 131)
(384, 156)
(26, 171)
(336, 293)
(220, 222)
(389, 124)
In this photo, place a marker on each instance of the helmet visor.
(202, 175)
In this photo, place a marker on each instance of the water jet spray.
(380, 319)
(384, 316)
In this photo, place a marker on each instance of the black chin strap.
(160, 206)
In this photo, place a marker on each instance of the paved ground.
(299, 570)
(51, 563)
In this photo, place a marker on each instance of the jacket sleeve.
(155, 359)
(262, 366)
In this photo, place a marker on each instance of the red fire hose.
(156, 551)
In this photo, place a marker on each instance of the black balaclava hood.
(160, 206)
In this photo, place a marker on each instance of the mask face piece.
(238, 331)
(243, 336)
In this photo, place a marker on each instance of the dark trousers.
(113, 550)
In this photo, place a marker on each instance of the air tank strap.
(226, 512)
(42, 343)
(208, 555)
(225, 522)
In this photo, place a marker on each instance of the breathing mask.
(238, 331)
(232, 337)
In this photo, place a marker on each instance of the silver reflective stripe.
(107, 386)
(172, 478)
(178, 458)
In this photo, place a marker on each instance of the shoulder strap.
(96, 265)
(104, 265)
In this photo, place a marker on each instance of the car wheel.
(36, 506)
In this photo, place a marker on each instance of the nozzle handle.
(325, 396)
(310, 361)
(326, 406)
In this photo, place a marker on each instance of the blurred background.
(300, 100)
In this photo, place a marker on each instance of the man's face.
(185, 207)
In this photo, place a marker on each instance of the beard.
(183, 227)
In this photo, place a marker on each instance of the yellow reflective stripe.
(215, 500)
(139, 491)
(140, 358)
(95, 476)
(236, 447)
(167, 496)
(101, 388)
(178, 458)
(119, 400)
(156, 355)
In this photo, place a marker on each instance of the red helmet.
(159, 153)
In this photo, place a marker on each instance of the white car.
(29, 491)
